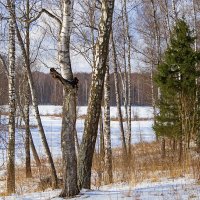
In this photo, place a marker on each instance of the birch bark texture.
(108, 176)
(27, 130)
(128, 40)
(96, 92)
(26, 57)
(117, 95)
(70, 187)
(22, 115)
(12, 109)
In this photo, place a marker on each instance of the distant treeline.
(49, 91)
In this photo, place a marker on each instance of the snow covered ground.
(142, 130)
(183, 188)
(169, 189)
(137, 111)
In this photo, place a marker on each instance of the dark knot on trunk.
(65, 82)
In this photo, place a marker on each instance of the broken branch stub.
(65, 82)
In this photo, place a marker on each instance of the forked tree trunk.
(108, 176)
(12, 108)
(94, 107)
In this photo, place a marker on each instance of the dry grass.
(41, 179)
(146, 163)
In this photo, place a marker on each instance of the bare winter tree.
(11, 124)
(26, 55)
(108, 174)
(117, 95)
(70, 187)
(128, 41)
(94, 107)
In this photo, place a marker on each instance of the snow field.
(168, 189)
(141, 130)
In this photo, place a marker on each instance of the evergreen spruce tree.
(176, 78)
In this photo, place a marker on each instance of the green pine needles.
(176, 78)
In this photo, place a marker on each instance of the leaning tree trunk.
(94, 107)
(12, 108)
(108, 176)
(34, 151)
(41, 129)
(35, 154)
(26, 56)
(117, 95)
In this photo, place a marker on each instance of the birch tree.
(94, 108)
(26, 55)
(12, 108)
(108, 176)
(27, 128)
(128, 39)
(117, 94)
(70, 187)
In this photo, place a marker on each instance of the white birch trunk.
(94, 107)
(12, 108)
(27, 130)
(118, 99)
(108, 176)
(195, 23)
(26, 55)
(70, 187)
(128, 38)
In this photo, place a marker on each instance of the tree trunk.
(94, 107)
(26, 56)
(27, 130)
(70, 187)
(102, 149)
(180, 155)
(195, 23)
(34, 151)
(163, 153)
(35, 154)
(118, 100)
(128, 38)
(174, 11)
(12, 108)
(108, 176)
